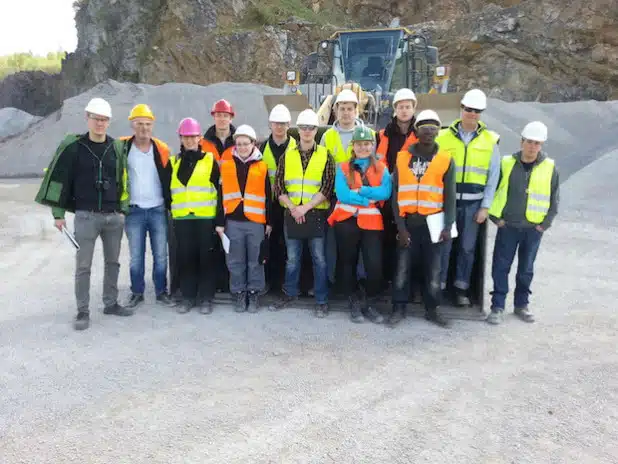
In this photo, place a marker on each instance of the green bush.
(16, 62)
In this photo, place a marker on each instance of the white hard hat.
(245, 129)
(100, 107)
(427, 115)
(403, 94)
(307, 117)
(280, 113)
(346, 96)
(475, 98)
(536, 131)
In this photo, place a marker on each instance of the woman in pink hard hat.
(196, 200)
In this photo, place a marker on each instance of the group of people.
(364, 203)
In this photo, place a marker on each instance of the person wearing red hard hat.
(219, 138)
(196, 202)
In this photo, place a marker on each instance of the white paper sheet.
(225, 241)
(71, 238)
(435, 222)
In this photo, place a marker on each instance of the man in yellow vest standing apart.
(524, 207)
(474, 149)
(304, 185)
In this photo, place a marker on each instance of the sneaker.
(397, 315)
(240, 302)
(356, 314)
(134, 300)
(166, 300)
(206, 307)
(283, 302)
(373, 315)
(82, 321)
(524, 314)
(321, 310)
(254, 302)
(495, 316)
(461, 299)
(435, 317)
(117, 310)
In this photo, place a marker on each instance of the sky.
(40, 26)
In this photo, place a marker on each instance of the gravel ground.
(287, 388)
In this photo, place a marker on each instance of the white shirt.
(144, 182)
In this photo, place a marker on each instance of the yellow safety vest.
(269, 158)
(199, 196)
(302, 186)
(472, 161)
(539, 189)
(332, 142)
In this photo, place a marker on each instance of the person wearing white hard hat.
(304, 187)
(247, 201)
(423, 185)
(474, 148)
(525, 205)
(273, 149)
(88, 176)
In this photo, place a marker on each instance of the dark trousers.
(195, 267)
(526, 242)
(275, 266)
(173, 256)
(424, 255)
(350, 240)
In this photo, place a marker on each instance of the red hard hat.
(222, 106)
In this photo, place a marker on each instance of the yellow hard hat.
(141, 111)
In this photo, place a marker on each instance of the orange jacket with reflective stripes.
(427, 196)
(207, 146)
(382, 149)
(254, 199)
(367, 217)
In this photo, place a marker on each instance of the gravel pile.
(13, 121)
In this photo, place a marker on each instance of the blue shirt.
(365, 194)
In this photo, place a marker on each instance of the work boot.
(356, 314)
(372, 313)
(82, 321)
(185, 307)
(461, 299)
(240, 302)
(134, 300)
(321, 310)
(524, 314)
(254, 302)
(206, 307)
(117, 310)
(495, 316)
(397, 315)
(283, 302)
(165, 300)
(432, 315)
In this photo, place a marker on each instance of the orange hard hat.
(222, 106)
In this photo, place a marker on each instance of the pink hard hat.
(188, 127)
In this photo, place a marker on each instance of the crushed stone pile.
(14, 121)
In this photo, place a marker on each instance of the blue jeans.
(293, 265)
(468, 231)
(526, 242)
(153, 221)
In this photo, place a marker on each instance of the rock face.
(544, 50)
(35, 92)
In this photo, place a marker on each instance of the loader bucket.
(447, 105)
(294, 103)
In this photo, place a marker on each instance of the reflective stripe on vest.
(424, 197)
(382, 149)
(367, 217)
(302, 186)
(199, 196)
(539, 189)
(254, 200)
(270, 161)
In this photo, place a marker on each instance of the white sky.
(40, 26)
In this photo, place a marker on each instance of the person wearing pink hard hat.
(196, 200)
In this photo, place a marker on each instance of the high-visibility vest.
(539, 189)
(332, 142)
(302, 186)
(269, 158)
(367, 217)
(162, 148)
(208, 147)
(382, 149)
(427, 196)
(254, 198)
(471, 161)
(199, 196)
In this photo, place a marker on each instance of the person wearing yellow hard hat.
(149, 203)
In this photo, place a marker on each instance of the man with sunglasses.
(474, 149)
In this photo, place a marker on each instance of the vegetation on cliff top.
(51, 63)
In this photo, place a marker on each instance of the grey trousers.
(246, 274)
(88, 227)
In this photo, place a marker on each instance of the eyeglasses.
(306, 128)
(98, 118)
(472, 110)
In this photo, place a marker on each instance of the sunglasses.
(306, 128)
(472, 110)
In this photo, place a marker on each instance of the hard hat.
(141, 111)
(361, 134)
(100, 107)
(346, 96)
(280, 113)
(403, 94)
(222, 106)
(246, 130)
(536, 131)
(189, 127)
(427, 115)
(475, 98)
(307, 117)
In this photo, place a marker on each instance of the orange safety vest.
(207, 146)
(382, 149)
(427, 196)
(254, 199)
(367, 217)
(162, 148)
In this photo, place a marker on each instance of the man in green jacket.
(88, 177)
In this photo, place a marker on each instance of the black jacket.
(396, 139)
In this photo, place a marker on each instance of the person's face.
(191, 142)
(404, 110)
(142, 128)
(531, 148)
(307, 133)
(427, 133)
(470, 115)
(244, 146)
(363, 148)
(97, 124)
(346, 112)
(222, 120)
(279, 129)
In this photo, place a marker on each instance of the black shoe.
(435, 317)
(185, 307)
(134, 300)
(166, 300)
(397, 315)
(240, 302)
(355, 311)
(82, 321)
(373, 314)
(283, 302)
(206, 307)
(321, 310)
(254, 302)
(117, 310)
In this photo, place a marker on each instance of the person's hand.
(481, 215)
(299, 211)
(539, 228)
(355, 190)
(269, 229)
(403, 238)
(445, 235)
(60, 223)
(220, 230)
(501, 223)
